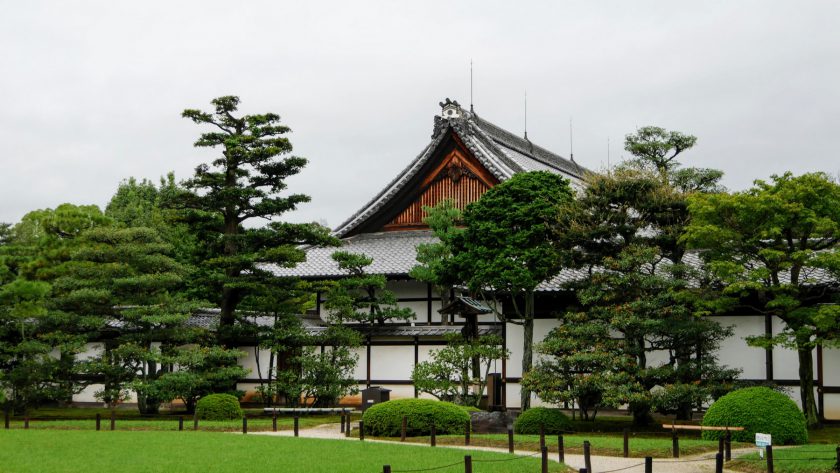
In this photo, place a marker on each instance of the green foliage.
(624, 231)
(218, 407)
(201, 371)
(758, 410)
(507, 248)
(554, 421)
(447, 376)
(658, 148)
(764, 245)
(385, 419)
(361, 297)
(444, 219)
(245, 182)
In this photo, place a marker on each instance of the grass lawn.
(601, 444)
(49, 451)
(813, 458)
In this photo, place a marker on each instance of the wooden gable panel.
(458, 176)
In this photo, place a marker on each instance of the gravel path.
(704, 463)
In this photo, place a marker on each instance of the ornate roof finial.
(451, 109)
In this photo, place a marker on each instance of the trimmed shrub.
(554, 420)
(218, 407)
(761, 410)
(385, 419)
(471, 409)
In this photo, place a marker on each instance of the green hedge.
(761, 410)
(385, 419)
(218, 407)
(554, 420)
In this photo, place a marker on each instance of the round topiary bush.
(554, 420)
(218, 407)
(761, 410)
(385, 419)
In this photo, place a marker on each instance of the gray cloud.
(92, 91)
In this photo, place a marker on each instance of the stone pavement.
(704, 463)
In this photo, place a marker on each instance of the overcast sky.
(91, 92)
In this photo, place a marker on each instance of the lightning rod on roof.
(526, 114)
(608, 156)
(472, 110)
(571, 141)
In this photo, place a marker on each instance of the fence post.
(719, 463)
(362, 430)
(113, 420)
(341, 429)
(180, 423)
(467, 463)
(433, 438)
(403, 428)
(626, 443)
(467, 433)
(244, 425)
(297, 425)
(98, 421)
(587, 460)
(386, 468)
(648, 464)
(510, 440)
(26, 421)
(274, 422)
(675, 441)
(542, 435)
(769, 449)
(727, 444)
(720, 444)
(837, 466)
(6, 417)
(195, 421)
(349, 427)
(561, 450)
(582, 470)
(544, 459)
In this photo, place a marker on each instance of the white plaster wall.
(424, 352)
(86, 395)
(249, 361)
(831, 367)
(394, 362)
(734, 351)
(657, 358)
(832, 406)
(514, 345)
(361, 365)
(786, 361)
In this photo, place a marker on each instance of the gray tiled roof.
(502, 153)
(393, 253)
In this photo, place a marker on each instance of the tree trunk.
(527, 348)
(806, 387)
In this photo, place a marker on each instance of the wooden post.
(349, 427)
(195, 421)
(544, 459)
(274, 422)
(675, 444)
(26, 421)
(6, 417)
(542, 435)
(769, 455)
(510, 440)
(98, 421)
(587, 460)
(180, 423)
(838, 458)
(582, 470)
(561, 450)
(403, 428)
(648, 464)
(341, 417)
(297, 425)
(727, 444)
(113, 420)
(626, 443)
(467, 463)
(386, 468)
(244, 425)
(433, 438)
(719, 463)
(467, 433)
(361, 430)
(720, 445)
